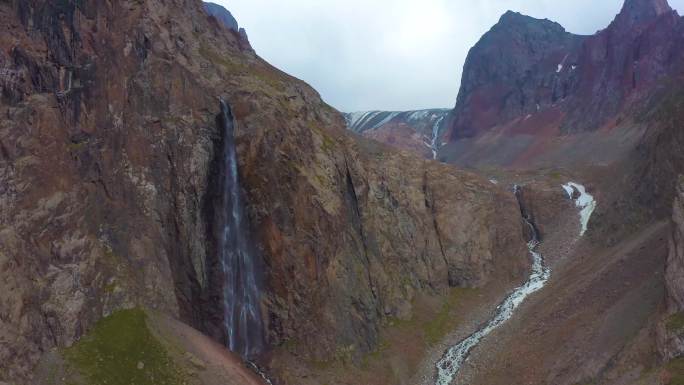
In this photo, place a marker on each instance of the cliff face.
(108, 151)
(528, 82)
(521, 66)
(672, 336)
(525, 66)
(226, 18)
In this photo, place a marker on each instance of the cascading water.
(449, 366)
(434, 143)
(241, 286)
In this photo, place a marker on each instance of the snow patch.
(562, 63)
(355, 119)
(585, 202)
(389, 117)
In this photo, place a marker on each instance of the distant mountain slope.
(419, 131)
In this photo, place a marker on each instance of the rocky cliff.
(226, 18)
(532, 91)
(520, 67)
(109, 146)
(672, 332)
(418, 131)
(525, 66)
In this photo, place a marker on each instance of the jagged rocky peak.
(226, 18)
(530, 75)
(520, 66)
(635, 12)
(512, 18)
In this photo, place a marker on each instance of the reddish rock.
(530, 88)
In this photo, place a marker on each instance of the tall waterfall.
(241, 289)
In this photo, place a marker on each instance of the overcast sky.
(392, 54)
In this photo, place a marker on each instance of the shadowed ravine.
(450, 365)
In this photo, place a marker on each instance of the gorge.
(176, 210)
(449, 366)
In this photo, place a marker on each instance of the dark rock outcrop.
(222, 14)
(521, 66)
(226, 19)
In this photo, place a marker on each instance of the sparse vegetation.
(121, 350)
(675, 369)
(675, 323)
(444, 321)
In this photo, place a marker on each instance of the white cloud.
(391, 54)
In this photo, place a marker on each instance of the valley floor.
(592, 323)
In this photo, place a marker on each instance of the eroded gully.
(452, 361)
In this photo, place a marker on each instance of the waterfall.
(241, 285)
(434, 144)
(449, 366)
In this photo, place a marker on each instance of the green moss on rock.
(444, 321)
(121, 350)
(676, 371)
(675, 323)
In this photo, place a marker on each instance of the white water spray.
(241, 291)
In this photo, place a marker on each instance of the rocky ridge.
(560, 98)
(584, 81)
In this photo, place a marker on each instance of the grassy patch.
(212, 56)
(676, 371)
(121, 350)
(675, 323)
(555, 175)
(76, 146)
(444, 321)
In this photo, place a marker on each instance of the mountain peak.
(515, 17)
(222, 15)
(519, 20)
(635, 12)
